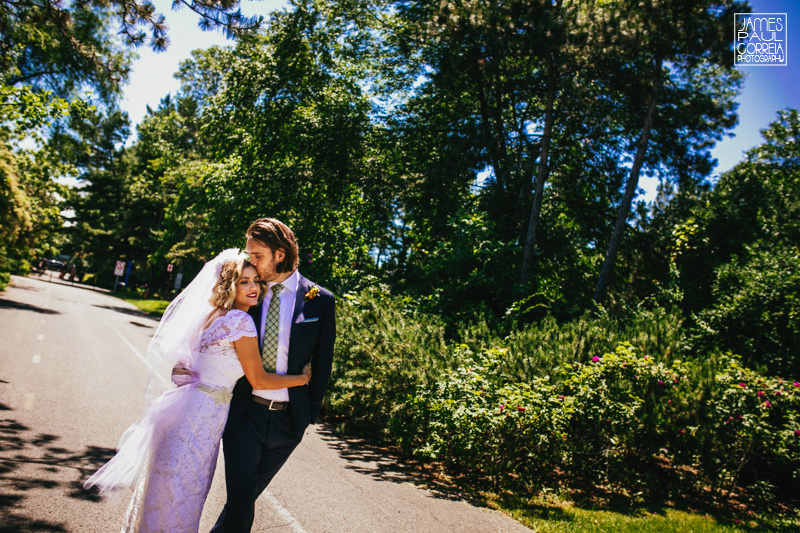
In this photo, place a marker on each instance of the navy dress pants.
(254, 451)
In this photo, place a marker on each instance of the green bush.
(637, 421)
(756, 312)
(384, 349)
(539, 349)
(603, 419)
(512, 432)
(749, 434)
(5, 279)
(623, 417)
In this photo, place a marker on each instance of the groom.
(296, 324)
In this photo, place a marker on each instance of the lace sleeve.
(239, 324)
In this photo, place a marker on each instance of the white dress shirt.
(287, 296)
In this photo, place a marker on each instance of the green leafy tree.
(289, 136)
(96, 143)
(739, 268)
(495, 77)
(676, 93)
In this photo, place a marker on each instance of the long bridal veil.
(179, 330)
(173, 343)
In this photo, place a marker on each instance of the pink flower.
(796, 384)
(797, 432)
(560, 397)
(595, 359)
(521, 409)
(760, 393)
(660, 382)
(682, 431)
(502, 406)
(742, 385)
(767, 404)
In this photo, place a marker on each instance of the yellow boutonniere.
(313, 293)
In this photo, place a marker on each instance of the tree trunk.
(541, 178)
(494, 135)
(630, 190)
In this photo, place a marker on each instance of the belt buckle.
(272, 408)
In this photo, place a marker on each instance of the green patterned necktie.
(269, 350)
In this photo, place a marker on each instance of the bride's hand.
(183, 375)
(307, 372)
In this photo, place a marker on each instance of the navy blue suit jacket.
(311, 340)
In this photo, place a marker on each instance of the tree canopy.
(482, 158)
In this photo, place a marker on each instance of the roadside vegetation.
(152, 307)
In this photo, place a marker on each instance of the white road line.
(37, 358)
(29, 401)
(140, 356)
(294, 525)
(40, 337)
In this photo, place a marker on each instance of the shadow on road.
(30, 461)
(125, 310)
(55, 279)
(11, 304)
(382, 463)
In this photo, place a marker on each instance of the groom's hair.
(275, 235)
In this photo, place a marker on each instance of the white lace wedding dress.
(170, 493)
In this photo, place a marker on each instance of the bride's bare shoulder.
(215, 314)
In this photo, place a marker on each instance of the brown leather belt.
(271, 404)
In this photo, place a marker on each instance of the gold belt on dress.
(221, 395)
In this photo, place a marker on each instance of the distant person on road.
(169, 455)
(296, 325)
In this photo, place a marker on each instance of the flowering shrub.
(513, 432)
(602, 419)
(750, 434)
(620, 419)
(621, 416)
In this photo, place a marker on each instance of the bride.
(169, 455)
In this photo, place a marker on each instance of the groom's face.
(264, 259)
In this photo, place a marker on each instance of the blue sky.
(767, 89)
(152, 74)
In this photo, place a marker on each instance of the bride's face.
(247, 289)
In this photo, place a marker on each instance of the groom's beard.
(269, 272)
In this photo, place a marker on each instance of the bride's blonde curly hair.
(224, 292)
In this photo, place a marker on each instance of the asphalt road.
(72, 377)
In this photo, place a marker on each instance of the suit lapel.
(297, 315)
(255, 312)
